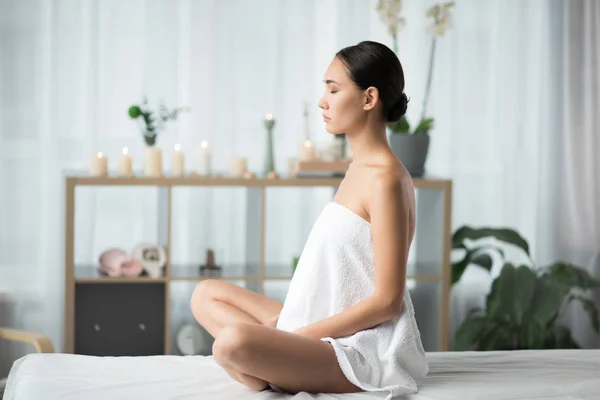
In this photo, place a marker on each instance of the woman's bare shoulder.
(390, 186)
(391, 175)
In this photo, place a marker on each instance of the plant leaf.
(469, 332)
(559, 337)
(495, 337)
(134, 111)
(532, 335)
(511, 294)
(474, 256)
(547, 301)
(522, 292)
(401, 126)
(424, 126)
(506, 235)
(571, 276)
(590, 309)
(493, 300)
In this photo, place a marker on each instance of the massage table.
(525, 374)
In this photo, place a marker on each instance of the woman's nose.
(322, 104)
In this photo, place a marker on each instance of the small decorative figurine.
(210, 268)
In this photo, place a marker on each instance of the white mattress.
(546, 374)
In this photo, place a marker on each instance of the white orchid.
(390, 14)
(441, 21)
(441, 18)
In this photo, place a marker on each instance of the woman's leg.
(288, 360)
(217, 304)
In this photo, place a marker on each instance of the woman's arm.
(390, 211)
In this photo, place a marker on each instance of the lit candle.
(307, 151)
(239, 167)
(203, 159)
(152, 161)
(178, 164)
(124, 164)
(99, 165)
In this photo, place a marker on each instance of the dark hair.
(374, 64)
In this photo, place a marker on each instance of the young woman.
(347, 324)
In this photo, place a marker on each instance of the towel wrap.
(336, 270)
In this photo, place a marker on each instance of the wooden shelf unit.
(432, 245)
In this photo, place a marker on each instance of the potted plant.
(410, 145)
(525, 301)
(152, 123)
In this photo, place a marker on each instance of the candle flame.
(99, 155)
(125, 150)
(307, 143)
(204, 144)
(177, 147)
(269, 117)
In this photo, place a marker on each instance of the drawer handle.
(142, 327)
(96, 327)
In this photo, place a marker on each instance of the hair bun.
(397, 109)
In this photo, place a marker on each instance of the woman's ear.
(371, 98)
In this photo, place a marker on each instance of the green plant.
(153, 121)
(525, 302)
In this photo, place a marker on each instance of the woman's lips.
(326, 118)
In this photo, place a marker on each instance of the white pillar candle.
(177, 164)
(124, 163)
(203, 159)
(307, 151)
(152, 161)
(239, 167)
(99, 165)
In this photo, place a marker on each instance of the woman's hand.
(272, 323)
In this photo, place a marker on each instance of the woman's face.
(343, 101)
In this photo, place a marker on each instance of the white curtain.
(573, 161)
(514, 97)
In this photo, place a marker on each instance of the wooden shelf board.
(419, 183)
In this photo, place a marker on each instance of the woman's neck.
(368, 144)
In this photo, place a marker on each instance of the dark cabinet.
(120, 319)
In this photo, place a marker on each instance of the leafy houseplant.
(153, 121)
(523, 306)
(412, 145)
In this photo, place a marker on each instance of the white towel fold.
(336, 270)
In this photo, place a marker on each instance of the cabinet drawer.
(120, 319)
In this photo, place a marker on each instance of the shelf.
(265, 265)
(92, 275)
(189, 272)
(283, 181)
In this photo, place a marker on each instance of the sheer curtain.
(514, 96)
(573, 161)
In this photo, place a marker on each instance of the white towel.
(336, 270)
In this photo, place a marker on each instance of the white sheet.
(546, 374)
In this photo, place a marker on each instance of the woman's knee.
(232, 344)
(202, 294)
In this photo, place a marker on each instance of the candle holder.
(269, 157)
